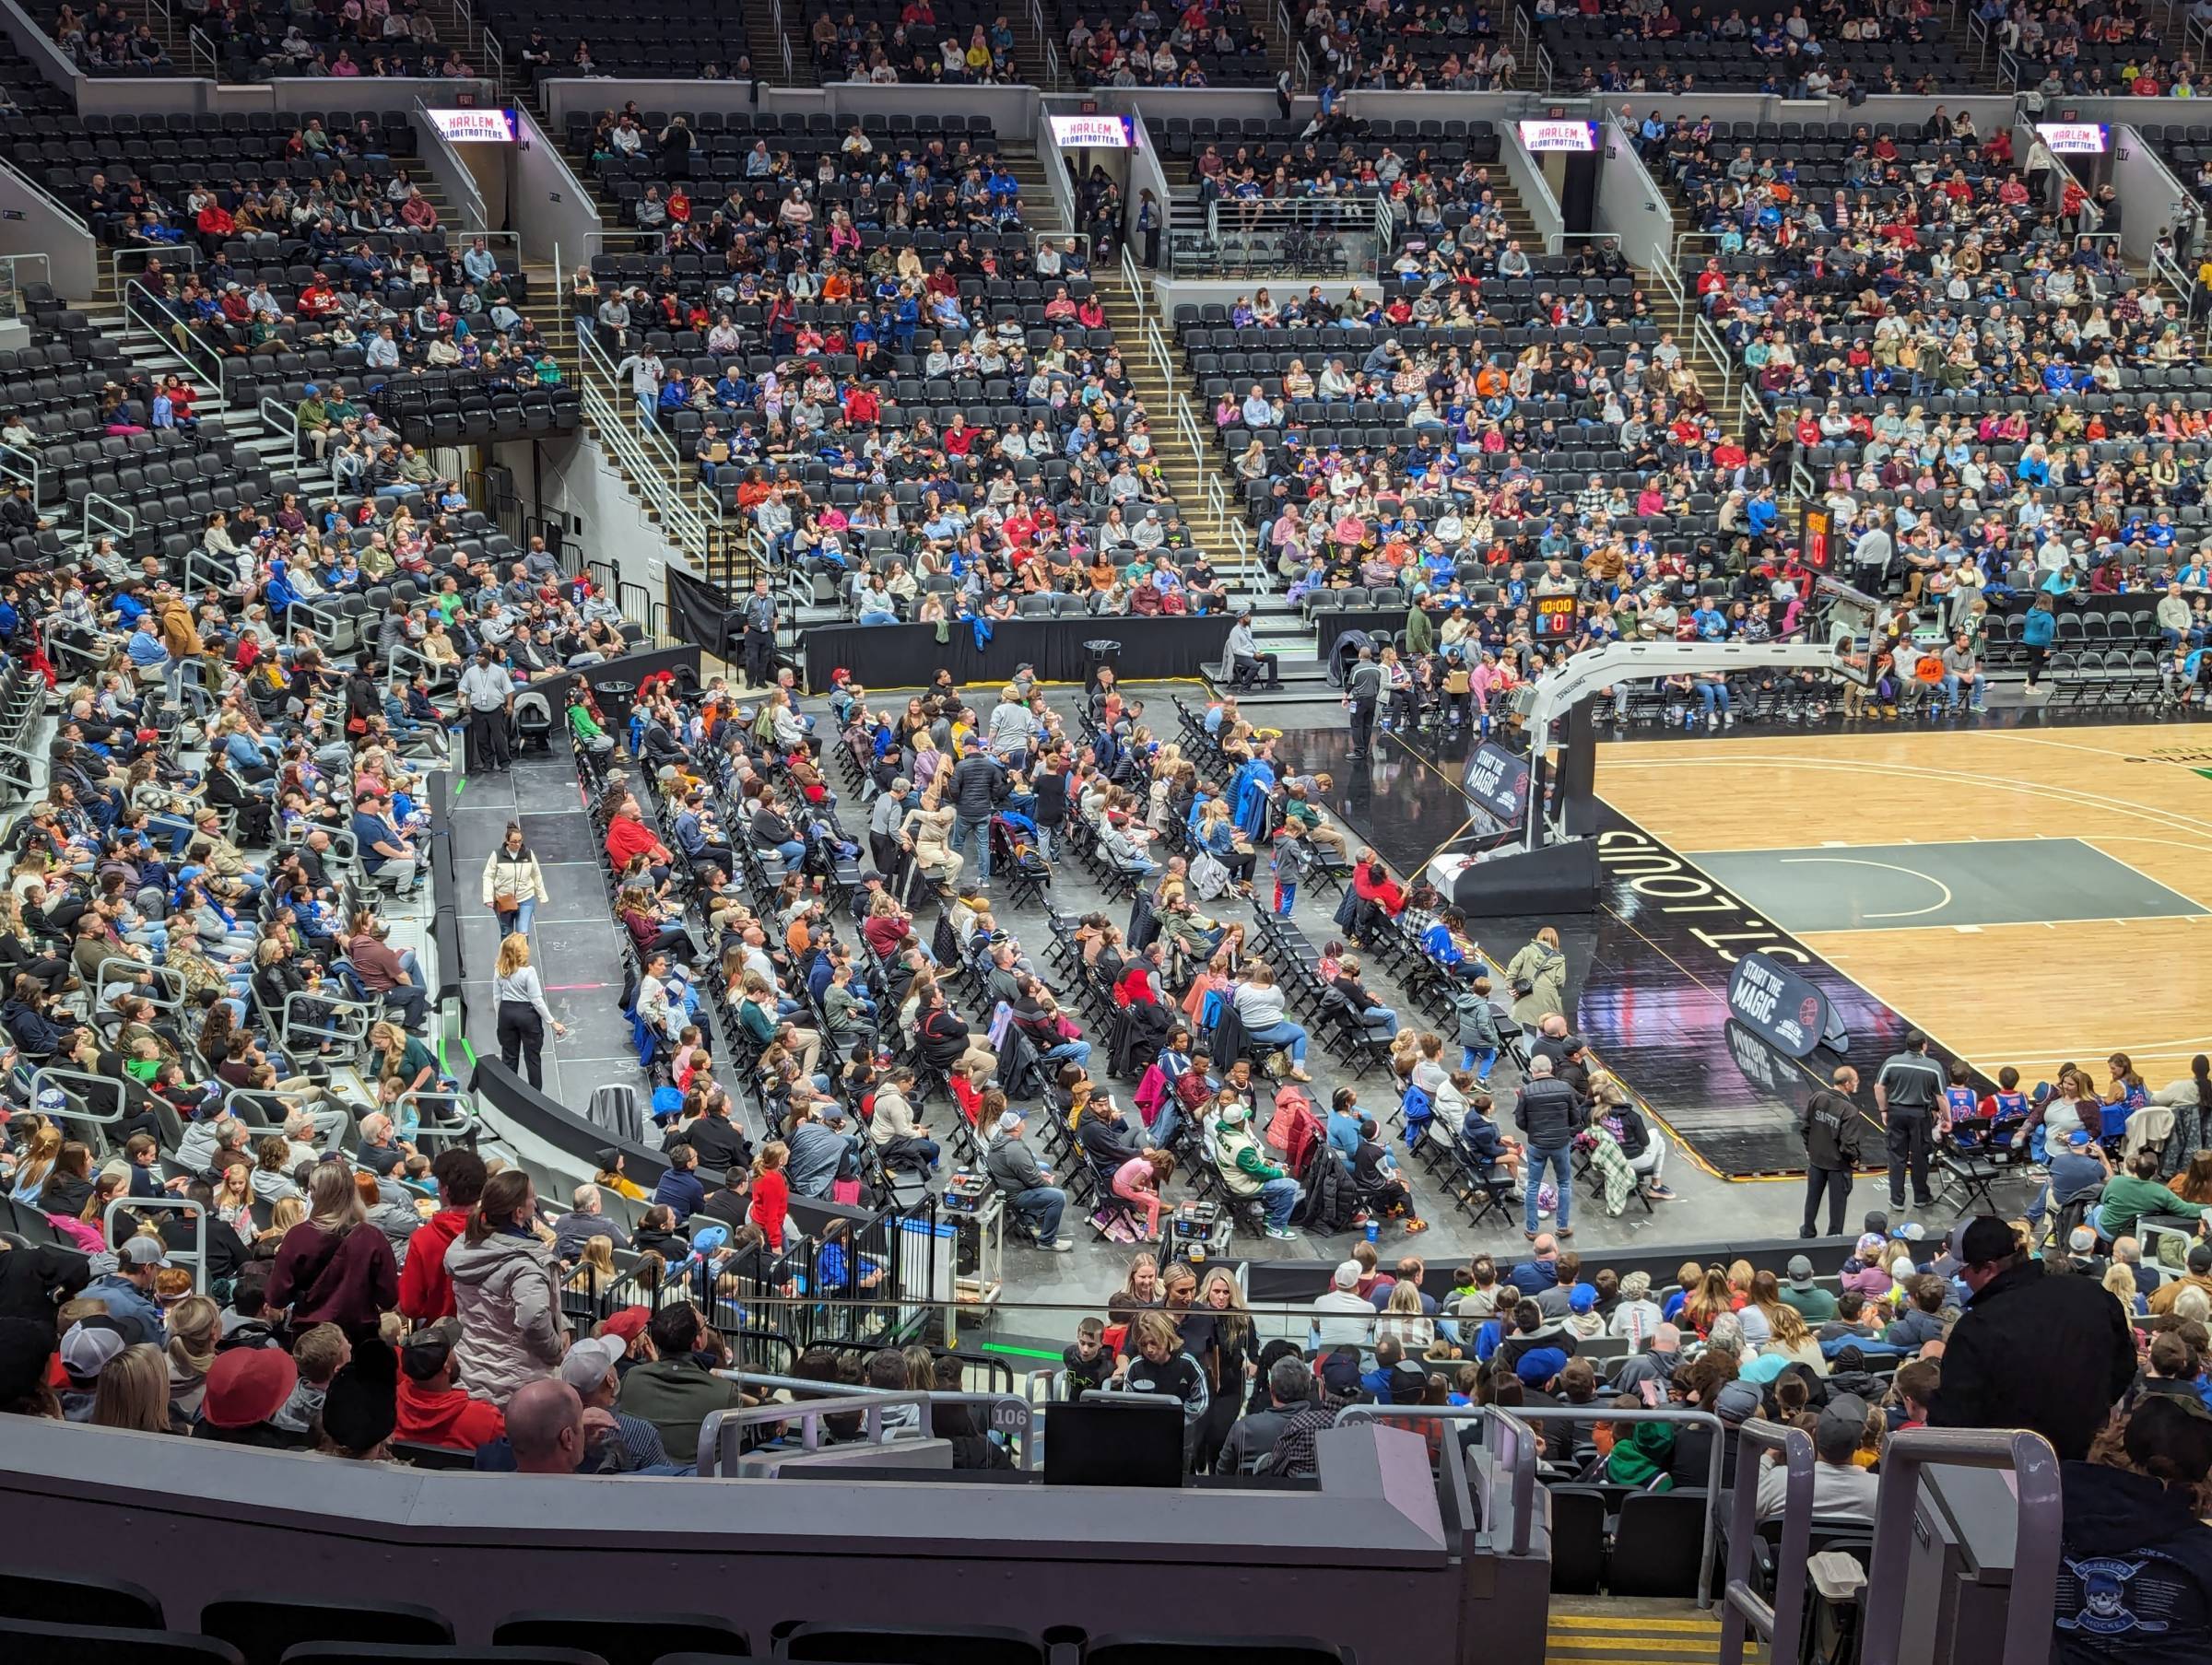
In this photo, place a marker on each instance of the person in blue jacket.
(2038, 631)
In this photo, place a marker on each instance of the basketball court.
(2028, 896)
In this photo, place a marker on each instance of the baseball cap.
(1583, 1297)
(1841, 1425)
(1340, 1370)
(247, 1385)
(1539, 1365)
(1346, 1276)
(590, 1360)
(2078, 1138)
(91, 1345)
(2200, 1258)
(629, 1323)
(1009, 1120)
(142, 1251)
(1801, 1272)
(1987, 1238)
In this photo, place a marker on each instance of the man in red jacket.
(425, 1292)
(627, 836)
(432, 1411)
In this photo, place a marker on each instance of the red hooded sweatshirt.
(446, 1416)
(425, 1292)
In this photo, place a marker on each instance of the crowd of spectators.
(909, 43)
(1843, 49)
(251, 42)
(1991, 404)
(1207, 42)
(1448, 46)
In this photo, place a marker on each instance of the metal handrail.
(285, 419)
(104, 515)
(2036, 1540)
(143, 307)
(184, 254)
(721, 1434)
(1544, 71)
(17, 464)
(683, 520)
(54, 204)
(1009, 1414)
(204, 61)
(194, 1258)
(1780, 1622)
(1709, 341)
(775, 15)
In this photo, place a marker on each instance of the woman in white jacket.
(506, 1294)
(512, 885)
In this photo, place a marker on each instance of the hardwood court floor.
(2016, 986)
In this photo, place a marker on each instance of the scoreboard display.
(1556, 617)
(1816, 539)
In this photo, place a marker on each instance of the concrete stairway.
(767, 43)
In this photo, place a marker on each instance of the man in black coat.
(36, 1278)
(1833, 1129)
(2032, 1351)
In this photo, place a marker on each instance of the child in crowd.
(1087, 1362)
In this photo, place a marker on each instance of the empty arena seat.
(910, 1645)
(31, 1642)
(59, 1598)
(626, 1641)
(263, 1628)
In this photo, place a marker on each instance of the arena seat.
(263, 1628)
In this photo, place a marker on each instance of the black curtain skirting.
(908, 656)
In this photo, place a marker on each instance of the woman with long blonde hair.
(523, 1015)
(133, 1391)
(594, 1266)
(195, 1324)
(31, 1172)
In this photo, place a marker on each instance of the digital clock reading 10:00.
(1555, 615)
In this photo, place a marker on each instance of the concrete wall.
(2151, 198)
(33, 223)
(574, 482)
(37, 45)
(1012, 109)
(1537, 195)
(548, 206)
(1630, 203)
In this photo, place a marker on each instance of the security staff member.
(1363, 689)
(489, 693)
(1832, 1129)
(759, 635)
(1907, 1092)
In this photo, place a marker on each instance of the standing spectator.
(506, 1293)
(513, 886)
(2033, 1350)
(425, 1291)
(1549, 1115)
(333, 1267)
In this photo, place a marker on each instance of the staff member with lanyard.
(1833, 1133)
(1362, 690)
(759, 635)
(1907, 1092)
(489, 694)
